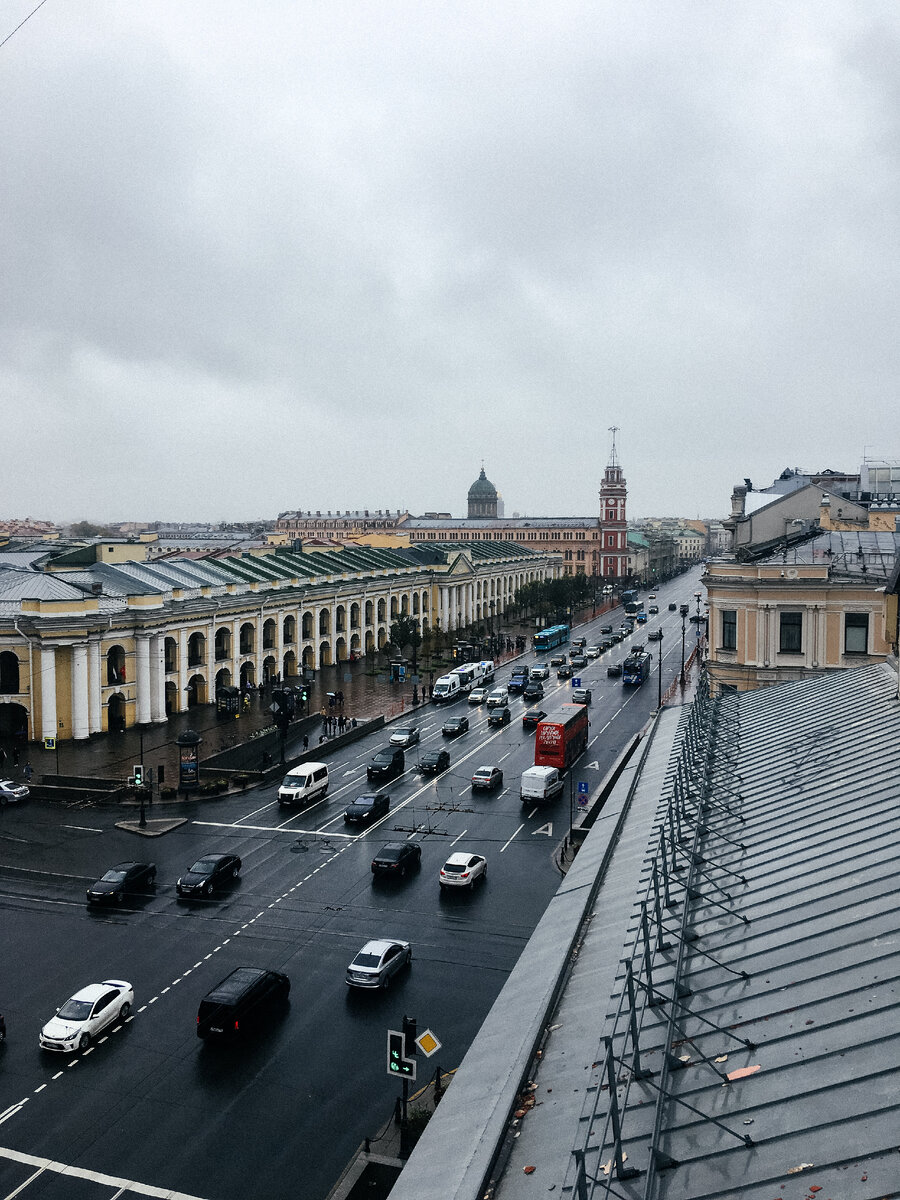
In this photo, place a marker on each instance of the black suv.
(386, 764)
(238, 1001)
(534, 691)
(434, 762)
(367, 808)
(396, 858)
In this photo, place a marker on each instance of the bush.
(167, 793)
(240, 780)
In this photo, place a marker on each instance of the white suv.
(498, 698)
(463, 870)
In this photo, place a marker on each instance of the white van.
(540, 784)
(304, 784)
(498, 698)
(448, 687)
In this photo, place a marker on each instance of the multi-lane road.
(150, 1110)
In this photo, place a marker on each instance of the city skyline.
(256, 259)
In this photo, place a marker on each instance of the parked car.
(655, 635)
(87, 1013)
(463, 870)
(397, 858)
(486, 779)
(239, 1001)
(434, 762)
(386, 764)
(405, 737)
(534, 691)
(121, 880)
(614, 670)
(564, 672)
(365, 809)
(578, 662)
(478, 695)
(539, 671)
(499, 716)
(378, 962)
(653, 610)
(533, 718)
(207, 873)
(455, 726)
(12, 792)
(581, 695)
(557, 660)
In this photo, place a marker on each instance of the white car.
(539, 671)
(378, 962)
(593, 652)
(498, 698)
(478, 695)
(12, 792)
(463, 870)
(405, 737)
(88, 1012)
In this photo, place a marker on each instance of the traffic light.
(398, 1063)
(138, 774)
(409, 1037)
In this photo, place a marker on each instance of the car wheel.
(500, 780)
(124, 1011)
(403, 871)
(235, 872)
(207, 889)
(84, 1041)
(386, 982)
(118, 897)
(409, 957)
(151, 879)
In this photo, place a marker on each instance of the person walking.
(305, 743)
(28, 772)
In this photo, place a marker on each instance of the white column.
(181, 698)
(157, 679)
(80, 718)
(142, 677)
(95, 688)
(48, 692)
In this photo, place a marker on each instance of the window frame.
(729, 626)
(786, 627)
(861, 623)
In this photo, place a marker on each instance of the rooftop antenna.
(613, 461)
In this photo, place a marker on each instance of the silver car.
(11, 792)
(405, 737)
(377, 963)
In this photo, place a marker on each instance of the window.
(729, 629)
(856, 633)
(791, 631)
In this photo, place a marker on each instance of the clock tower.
(613, 525)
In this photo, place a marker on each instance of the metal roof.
(732, 982)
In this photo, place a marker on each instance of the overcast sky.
(327, 255)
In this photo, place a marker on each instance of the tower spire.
(613, 461)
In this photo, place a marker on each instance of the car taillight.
(465, 875)
(236, 1026)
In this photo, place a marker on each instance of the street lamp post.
(684, 614)
(659, 673)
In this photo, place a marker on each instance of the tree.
(405, 632)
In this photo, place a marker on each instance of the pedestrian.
(340, 699)
(324, 713)
(305, 743)
(321, 738)
(28, 772)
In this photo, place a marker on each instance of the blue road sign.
(576, 682)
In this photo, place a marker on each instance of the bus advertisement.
(561, 737)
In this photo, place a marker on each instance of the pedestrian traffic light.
(409, 1037)
(138, 774)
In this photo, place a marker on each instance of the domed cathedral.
(483, 498)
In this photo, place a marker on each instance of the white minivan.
(540, 784)
(303, 785)
(447, 688)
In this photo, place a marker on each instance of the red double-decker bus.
(561, 737)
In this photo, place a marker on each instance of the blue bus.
(556, 635)
(636, 669)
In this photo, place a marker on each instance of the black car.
(564, 672)
(207, 873)
(619, 636)
(557, 660)
(673, 608)
(396, 858)
(435, 761)
(607, 643)
(239, 1001)
(386, 764)
(455, 726)
(534, 691)
(655, 635)
(533, 718)
(120, 880)
(499, 716)
(614, 670)
(367, 808)
(606, 628)
(653, 610)
(578, 661)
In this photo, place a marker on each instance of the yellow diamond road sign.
(428, 1043)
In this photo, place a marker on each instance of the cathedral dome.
(483, 497)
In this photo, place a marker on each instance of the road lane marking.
(83, 828)
(110, 1181)
(519, 830)
(462, 835)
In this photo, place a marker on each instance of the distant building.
(482, 499)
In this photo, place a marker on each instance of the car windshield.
(364, 801)
(454, 868)
(75, 1010)
(203, 866)
(431, 758)
(384, 756)
(113, 877)
(403, 733)
(366, 960)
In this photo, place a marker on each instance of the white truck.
(446, 688)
